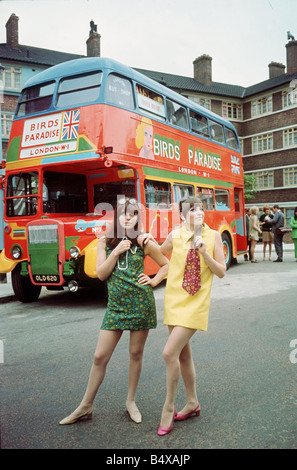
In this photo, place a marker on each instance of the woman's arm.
(155, 253)
(216, 264)
(104, 265)
(255, 226)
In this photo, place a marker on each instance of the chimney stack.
(276, 69)
(291, 57)
(202, 69)
(12, 31)
(93, 42)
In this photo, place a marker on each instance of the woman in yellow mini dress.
(185, 313)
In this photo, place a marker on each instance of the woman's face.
(195, 217)
(128, 218)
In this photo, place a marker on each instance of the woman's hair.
(186, 204)
(295, 213)
(254, 210)
(266, 208)
(117, 232)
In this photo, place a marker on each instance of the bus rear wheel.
(22, 286)
(227, 248)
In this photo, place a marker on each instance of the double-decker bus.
(84, 133)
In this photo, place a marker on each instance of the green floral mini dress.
(131, 306)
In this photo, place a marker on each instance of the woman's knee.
(101, 359)
(136, 354)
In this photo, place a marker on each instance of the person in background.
(278, 221)
(255, 230)
(293, 224)
(267, 236)
(247, 257)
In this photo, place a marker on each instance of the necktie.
(192, 275)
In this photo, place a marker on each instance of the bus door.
(241, 239)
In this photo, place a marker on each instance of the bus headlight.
(74, 252)
(16, 251)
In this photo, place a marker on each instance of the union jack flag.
(70, 125)
(235, 165)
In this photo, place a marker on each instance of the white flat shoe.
(74, 417)
(134, 414)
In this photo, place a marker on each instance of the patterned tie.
(192, 275)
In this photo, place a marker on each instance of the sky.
(241, 36)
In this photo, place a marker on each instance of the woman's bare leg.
(137, 342)
(107, 342)
(179, 337)
(189, 377)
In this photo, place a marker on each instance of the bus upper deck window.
(80, 89)
(177, 114)
(216, 132)
(118, 91)
(199, 124)
(150, 102)
(231, 139)
(35, 99)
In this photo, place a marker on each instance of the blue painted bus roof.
(89, 64)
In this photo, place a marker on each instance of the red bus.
(88, 131)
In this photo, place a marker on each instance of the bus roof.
(88, 64)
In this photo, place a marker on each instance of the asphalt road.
(246, 370)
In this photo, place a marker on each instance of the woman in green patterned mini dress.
(131, 303)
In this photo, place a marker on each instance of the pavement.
(7, 294)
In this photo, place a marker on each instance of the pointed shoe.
(181, 417)
(135, 415)
(71, 419)
(163, 431)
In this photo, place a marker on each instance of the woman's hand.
(144, 238)
(145, 280)
(123, 246)
(200, 244)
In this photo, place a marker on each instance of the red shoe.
(162, 431)
(196, 411)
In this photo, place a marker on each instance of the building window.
(263, 179)
(6, 122)
(290, 176)
(232, 111)
(12, 78)
(289, 98)
(205, 102)
(262, 106)
(290, 137)
(262, 143)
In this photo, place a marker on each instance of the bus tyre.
(22, 286)
(227, 247)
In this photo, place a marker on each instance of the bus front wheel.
(227, 248)
(22, 286)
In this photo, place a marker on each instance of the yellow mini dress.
(180, 308)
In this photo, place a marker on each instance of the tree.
(249, 184)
